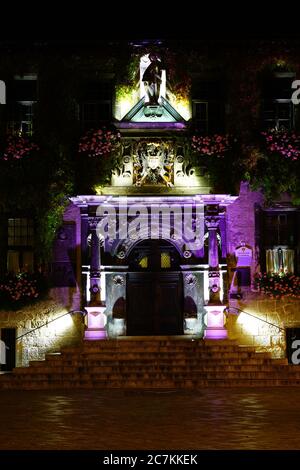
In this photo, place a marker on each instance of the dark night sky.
(131, 20)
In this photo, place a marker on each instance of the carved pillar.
(95, 275)
(96, 319)
(84, 235)
(212, 223)
(214, 318)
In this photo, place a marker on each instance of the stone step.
(167, 356)
(185, 384)
(192, 359)
(157, 375)
(161, 363)
(122, 365)
(123, 369)
(111, 343)
(153, 348)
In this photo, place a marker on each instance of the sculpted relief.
(154, 162)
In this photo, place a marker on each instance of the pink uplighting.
(96, 321)
(95, 335)
(215, 322)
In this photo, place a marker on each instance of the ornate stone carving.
(93, 222)
(156, 162)
(124, 168)
(122, 174)
(118, 280)
(94, 289)
(212, 222)
(121, 254)
(214, 274)
(153, 163)
(190, 280)
(183, 168)
(95, 273)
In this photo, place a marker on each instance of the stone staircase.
(153, 363)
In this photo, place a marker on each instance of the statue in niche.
(152, 79)
(153, 165)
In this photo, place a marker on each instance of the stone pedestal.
(96, 322)
(215, 322)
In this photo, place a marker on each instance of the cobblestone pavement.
(203, 419)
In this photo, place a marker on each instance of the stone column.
(95, 274)
(212, 223)
(96, 319)
(214, 318)
(84, 234)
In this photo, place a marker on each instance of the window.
(22, 99)
(208, 105)
(20, 241)
(280, 241)
(95, 105)
(280, 260)
(200, 114)
(143, 263)
(280, 229)
(20, 232)
(93, 113)
(278, 114)
(165, 260)
(278, 110)
(21, 121)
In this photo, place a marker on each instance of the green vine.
(50, 219)
(128, 80)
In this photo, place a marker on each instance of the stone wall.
(240, 223)
(193, 286)
(285, 313)
(246, 329)
(62, 332)
(67, 330)
(70, 297)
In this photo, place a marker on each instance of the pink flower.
(99, 142)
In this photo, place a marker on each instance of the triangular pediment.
(162, 112)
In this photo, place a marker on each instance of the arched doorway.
(154, 290)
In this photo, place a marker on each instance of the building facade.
(151, 153)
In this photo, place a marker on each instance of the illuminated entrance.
(154, 290)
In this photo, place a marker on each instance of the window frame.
(19, 246)
(196, 102)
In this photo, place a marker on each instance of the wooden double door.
(154, 303)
